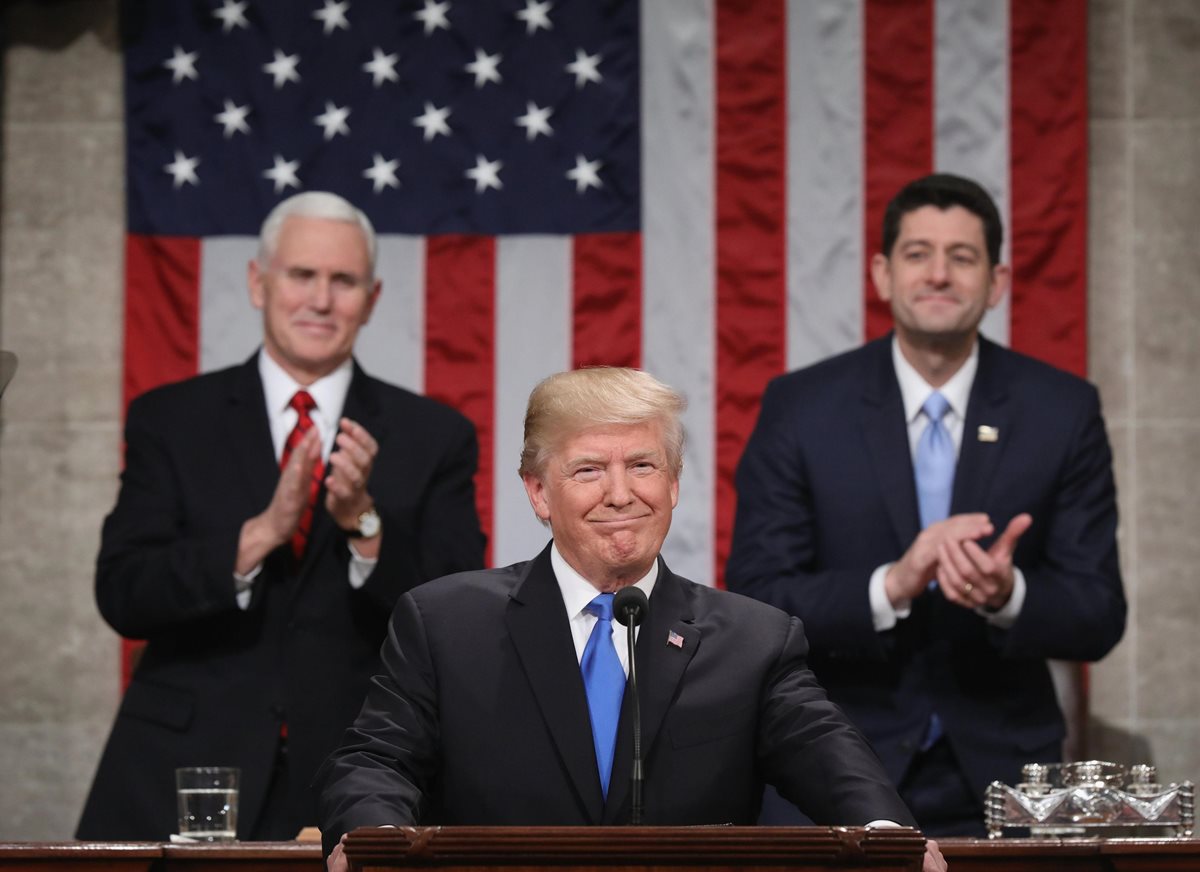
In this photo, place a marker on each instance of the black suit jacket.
(215, 682)
(480, 716)
(826, 494)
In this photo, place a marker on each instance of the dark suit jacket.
(215, 682)
(826, 495)
(480, 716)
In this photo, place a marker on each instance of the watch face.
(368, 524)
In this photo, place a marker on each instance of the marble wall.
(61, 208)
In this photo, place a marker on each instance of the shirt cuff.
(1005, 616)
(243, 585)
(883, 614)
(360, 567)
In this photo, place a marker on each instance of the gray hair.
(567, 402)
(312, 204)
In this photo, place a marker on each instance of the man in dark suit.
(501, 699)
(264, 592)
(941, 513)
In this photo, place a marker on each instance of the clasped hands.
(949, 551)
(346, 496)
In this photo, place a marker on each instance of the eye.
(586, 473)
(300, 275)
(345, 282)
(642, 467)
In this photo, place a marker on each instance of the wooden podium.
(635, 849)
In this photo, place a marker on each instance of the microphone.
(629, 607)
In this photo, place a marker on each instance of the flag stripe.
(162, 320)
(751, 215)
(460, 340)
(533, 340)
(607, 300)
(678, 251)
(1049, 181)
(825, 179)
(898, 119)
(971, 108)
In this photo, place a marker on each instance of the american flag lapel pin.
(675, 639)
(988, 434)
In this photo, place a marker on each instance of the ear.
(372, 300)
(1001, 281)
(255, 279)
(881, 276)
(536, 490)
(674, 493)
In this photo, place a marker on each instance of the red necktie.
(303, 403)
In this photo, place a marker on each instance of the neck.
(938, 358)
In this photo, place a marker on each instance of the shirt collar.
(914, 390)
(577, 591)
(329, 391)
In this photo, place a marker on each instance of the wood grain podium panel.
(470, 849)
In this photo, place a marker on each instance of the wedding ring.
(968, 587)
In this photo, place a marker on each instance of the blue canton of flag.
(518, 116)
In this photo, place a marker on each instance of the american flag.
(690, 186)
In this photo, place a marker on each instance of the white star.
(333, 120)
(584, 68)
(586, 174)
(283, 174)
(485, 68)
(183, 169)
(382, 67)
(233, 119)
(283, 68)
(232, 14)
(332, 16)
(433, 16)
(535, 121)
(382, 173)
(486, 174)
(182, 65)
(433, 121)
(535, 14)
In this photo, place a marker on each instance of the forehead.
(608, 440)
(953, 226)
(303, 238)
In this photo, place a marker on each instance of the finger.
(987, 570)
(958, 575)
(1007, 543)
(347, 471)
(948, 578)
(359, 434)
(354, 450)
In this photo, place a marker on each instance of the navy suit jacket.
(215, 682)
(826, 494)
(480, 716)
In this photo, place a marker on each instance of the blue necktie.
(604, 681)
(935, 463)
(935, 482)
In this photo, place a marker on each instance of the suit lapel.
(661, 665)
(248, 434)
(989, 407)
(538, 626)
(884, 428)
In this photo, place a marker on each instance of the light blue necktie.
(604, 681)
(935, 463)
(935, 482)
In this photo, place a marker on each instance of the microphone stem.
(635, 784)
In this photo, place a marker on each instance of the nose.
(619, 494)
(939, 273)
(320, 296)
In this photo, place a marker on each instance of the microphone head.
(630, 606)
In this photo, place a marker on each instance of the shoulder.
(469, 591)
(194, 395)
(1029, 377)
(397, 402)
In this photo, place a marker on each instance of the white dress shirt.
(914, 391)
(329, 394)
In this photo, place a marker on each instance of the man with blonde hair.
(270, 515)
(502, 696)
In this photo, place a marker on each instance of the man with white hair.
(270, 515)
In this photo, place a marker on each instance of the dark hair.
(944, 190)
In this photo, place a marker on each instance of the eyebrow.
(596, 460)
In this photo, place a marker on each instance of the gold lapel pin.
(988, 434)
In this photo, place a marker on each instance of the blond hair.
(568, 402)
